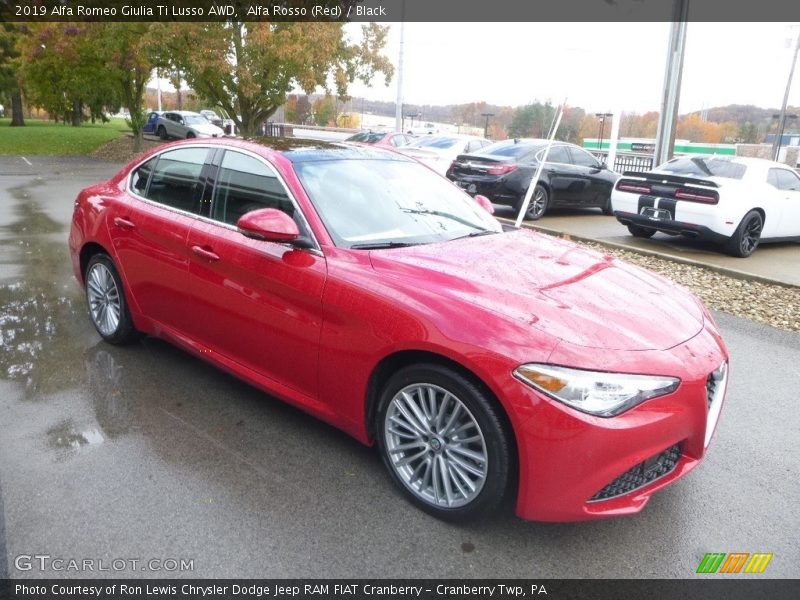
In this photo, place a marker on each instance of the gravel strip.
(774, 305)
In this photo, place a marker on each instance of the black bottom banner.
(399, 589)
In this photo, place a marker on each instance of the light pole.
(602, 128)
(776, 145)
(486, 124)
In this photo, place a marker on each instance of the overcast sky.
(598, 66)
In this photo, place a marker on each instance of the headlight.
(595, 392)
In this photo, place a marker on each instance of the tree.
(249, 68)
(130, 51)
(10, 86)
(533, 120)
(749, 134)
(324, 111)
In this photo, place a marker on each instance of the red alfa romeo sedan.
(367, 290)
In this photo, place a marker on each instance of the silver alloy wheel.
(104, 301)
(435, 445)
(538, 203)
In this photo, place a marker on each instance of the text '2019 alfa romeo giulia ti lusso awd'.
(371, 292)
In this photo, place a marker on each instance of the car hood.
(570, 292)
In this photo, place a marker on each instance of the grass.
(49, 138)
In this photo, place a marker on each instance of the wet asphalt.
(144, 452)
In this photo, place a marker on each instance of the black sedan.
(503, 171)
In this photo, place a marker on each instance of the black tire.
(162, 132)
(745, 239)
(641, 232)
(123, 331)
(540, 201)
(485, 434)
(190, 135)
(606, 207)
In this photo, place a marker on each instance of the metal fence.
(628, 161)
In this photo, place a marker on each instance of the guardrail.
(628, 161)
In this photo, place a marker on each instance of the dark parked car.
(503, 172)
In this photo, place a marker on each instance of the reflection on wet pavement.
(41, 308)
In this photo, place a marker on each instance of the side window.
(245, 184)
(176, 178)
(141, 175)
(772, 178)
(558, 154)
(397, 140)
(788, 180)
(583, 158)
(474, 146)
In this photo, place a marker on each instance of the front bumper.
(575, 466)
(672, 227)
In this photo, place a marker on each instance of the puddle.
(68, 435)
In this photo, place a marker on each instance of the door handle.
(203, 253)
(124, 223)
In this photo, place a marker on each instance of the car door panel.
(266, 299)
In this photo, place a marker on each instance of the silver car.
(185, 124)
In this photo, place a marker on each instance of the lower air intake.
(642, 474)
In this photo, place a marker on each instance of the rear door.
(261, 301)
(149, 230)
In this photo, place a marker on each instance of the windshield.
(195, 120)
(374, 203)
(435, 141)
(704, 167)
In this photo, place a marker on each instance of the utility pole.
(665, 136)
(398, 109)
(776, 145)
(486, 124)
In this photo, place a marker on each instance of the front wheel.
(108, 307)
(606, 207)
(190, 135)
(162, 132)
(443, 442)
(745, 239)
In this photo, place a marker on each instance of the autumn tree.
(249, 68)
(532, 120)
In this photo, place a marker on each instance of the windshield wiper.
(381, 245)
(476, 234)
(439, 213)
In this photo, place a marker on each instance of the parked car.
(151, 124)
(438, 151)
(736, 202)
(503, 172)
(365, 289)
(185, 124)
(381, 139)
(212, 117)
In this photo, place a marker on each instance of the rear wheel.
(745, 239)
(443, 442)
(538, 204)
(162, 132)
(641, 232)
(108, 307)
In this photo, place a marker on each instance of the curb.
(686, 261)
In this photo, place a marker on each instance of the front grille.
(642, 474)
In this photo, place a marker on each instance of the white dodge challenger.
(734, 201)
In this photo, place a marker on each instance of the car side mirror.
(485, 203)
(269, 224)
